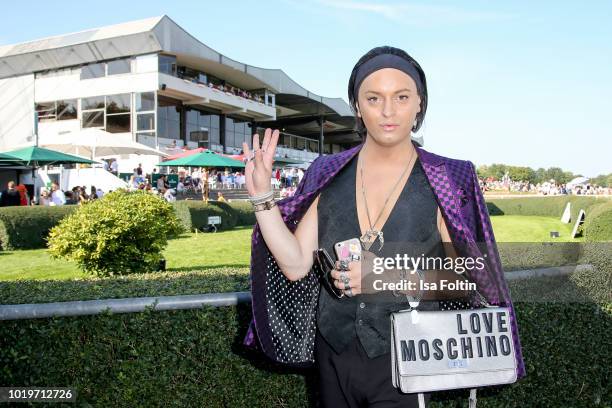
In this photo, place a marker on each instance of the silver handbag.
(450, 349)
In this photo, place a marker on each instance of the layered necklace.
(372, 234)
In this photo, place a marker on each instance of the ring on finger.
(344, 266)
(344, 278)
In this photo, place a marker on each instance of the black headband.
(386, 61)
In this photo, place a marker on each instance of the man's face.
(388, 96)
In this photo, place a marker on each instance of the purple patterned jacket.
(284, 312)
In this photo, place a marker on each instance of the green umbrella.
(39, 156)
(207, 158)
(286, 160)
(7, 160)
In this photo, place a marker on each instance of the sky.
(521, 83)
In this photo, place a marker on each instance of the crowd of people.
(17, 195)
(237, 91)
(545, 188)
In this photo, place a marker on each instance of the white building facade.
(152, 82)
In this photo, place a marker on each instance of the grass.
(190, 252)
(228, 252)
(522, 228)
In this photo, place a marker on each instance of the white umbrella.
(577, 180)
(94, 142)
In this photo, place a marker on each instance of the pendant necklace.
(372, 234)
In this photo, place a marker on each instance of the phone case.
(349, 250)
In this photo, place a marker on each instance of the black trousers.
(352, 379)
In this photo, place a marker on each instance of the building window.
(145, 121)
(67, 109)
(120, 66)
(168, 118)
(236, 132)
(202, 127)
(112, 113)
(167, 64)
(57, 110)
(118, 118)
(93, 71)
(45, 110)
(118, 123)
(92, 119)
(119, 103)
(101, 69)
(145, 101)
(92, 112)
(145, 111)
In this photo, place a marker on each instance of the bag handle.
(472, 400)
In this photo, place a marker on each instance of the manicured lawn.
(191, 252)
(231, 249)
(522, 228)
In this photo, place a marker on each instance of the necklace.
(368, 238)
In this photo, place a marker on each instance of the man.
(114, 167)
(57, 195)
(138, 173)
(10, 197)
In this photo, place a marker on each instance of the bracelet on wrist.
(262, 198)
(266, 205)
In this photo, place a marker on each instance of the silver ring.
(344, 266)
(348, 292)
(344, 278)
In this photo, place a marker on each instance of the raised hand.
(258, 171)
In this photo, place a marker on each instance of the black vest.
(412, 220)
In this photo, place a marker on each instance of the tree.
(521, 173)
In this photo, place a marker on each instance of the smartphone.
(323, 266)
(349, 250)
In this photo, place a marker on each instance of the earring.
(416, 121)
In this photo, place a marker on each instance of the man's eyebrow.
(401, 90)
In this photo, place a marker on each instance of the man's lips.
(389, 127)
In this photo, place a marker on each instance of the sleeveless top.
(413, 219)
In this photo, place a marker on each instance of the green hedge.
(244, 211)
(194, 214)
(195, 358)
(28, 227)
(551, 206)
(598, 223)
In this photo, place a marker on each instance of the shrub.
(598, 248)
(28, 227)
(123, 232)
(196, 358)
(194, 214)
(598, 223)
(551, 206)
(244, 212)
(230, 214)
